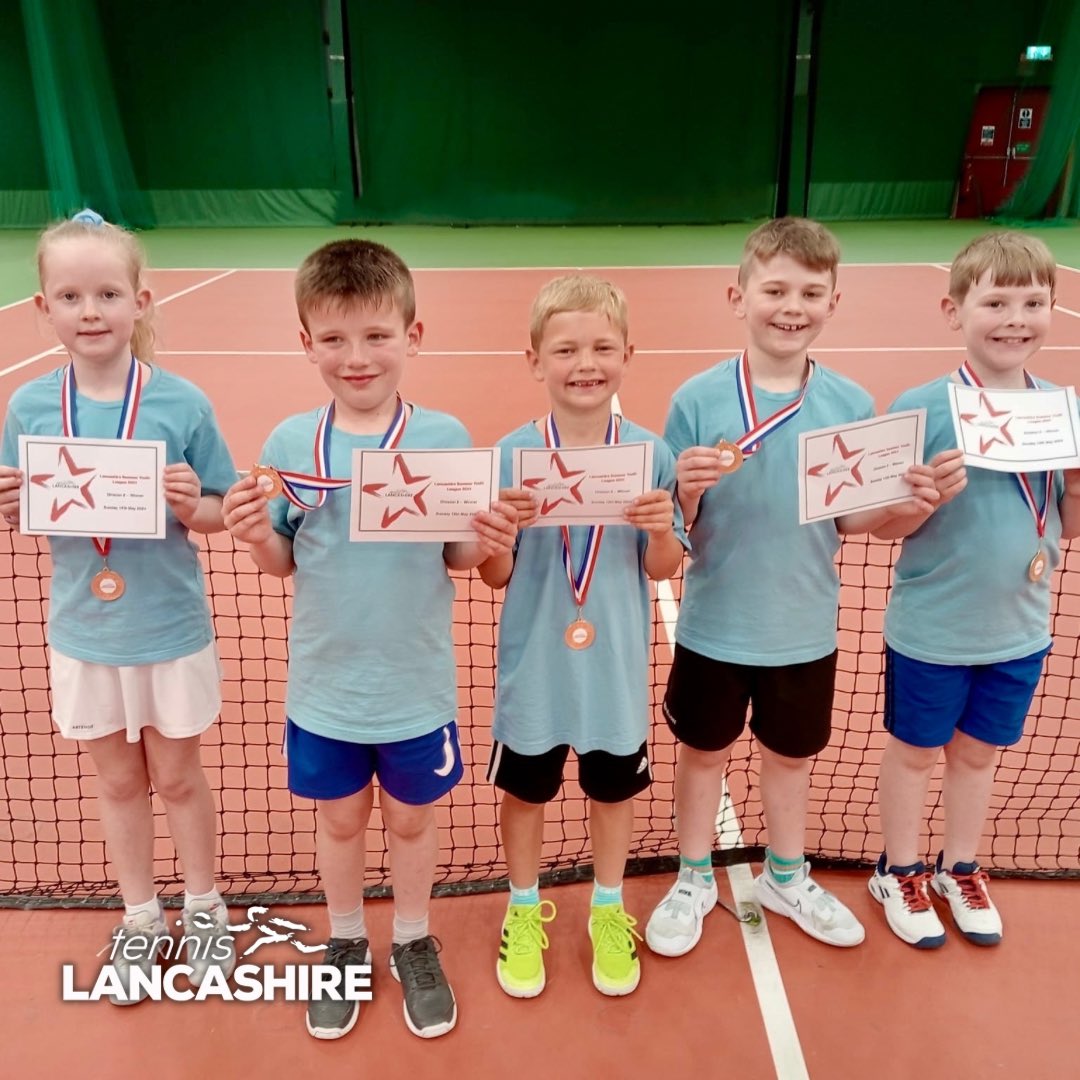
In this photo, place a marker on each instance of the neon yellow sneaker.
(616, 968)
(520, 969)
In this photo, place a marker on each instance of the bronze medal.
(731, 457)
(1037, 566)
(107, 585)
(268, 480)
(580, 634)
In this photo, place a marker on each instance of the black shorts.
(790, 706)
(536, 778)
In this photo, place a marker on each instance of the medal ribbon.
(129, 413)
(969, 378)
(757, 431)
(294, 482)
(580, 582)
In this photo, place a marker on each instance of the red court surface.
(743, 1004)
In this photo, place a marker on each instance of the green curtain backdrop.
(1061, 29)
(309, 112)
(24, 182)
(86, 153)
(616, 110)
(895, 95)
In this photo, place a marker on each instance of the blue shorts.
(925, 703)
(414, 771)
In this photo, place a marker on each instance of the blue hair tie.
(88, 217)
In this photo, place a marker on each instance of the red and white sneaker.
(965, 889)
(906, 900)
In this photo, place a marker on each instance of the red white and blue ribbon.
(758, 430)
(294, 482)
(582, 579)
(969, 378)
(129, 414)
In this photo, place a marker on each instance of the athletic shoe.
(136, 944)
(520, 969)
(616, 968)
(430, 1008)
(906, 901)
(207, 940)
(965, 888)
(813, 909)
(328, 1019)
(674, 928)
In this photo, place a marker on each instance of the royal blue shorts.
(414, 771)
(925, 703)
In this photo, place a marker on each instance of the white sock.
(152, 907)
(348, 925)
(202, 901)
(406, 930)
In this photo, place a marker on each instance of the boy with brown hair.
(372, 679)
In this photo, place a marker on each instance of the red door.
(1000, 147)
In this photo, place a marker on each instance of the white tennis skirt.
(177, 698)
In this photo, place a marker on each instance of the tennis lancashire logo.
(126, 977)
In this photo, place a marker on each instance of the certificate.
(92, 487)
(858, 466)
(584, 485)
(1016, 430)
(421, 496)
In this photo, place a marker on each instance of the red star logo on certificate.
(989, 417)
(65, 483)
(840, 464)
(559, 482)
(406, 497)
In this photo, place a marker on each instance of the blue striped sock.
(702, 866)
(528, 897)
(783, 870)
(603, 894)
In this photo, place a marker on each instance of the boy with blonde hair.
(757, 625)
(574, 638)
(372, 679)
(967, 623)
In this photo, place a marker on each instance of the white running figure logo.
(271, 936)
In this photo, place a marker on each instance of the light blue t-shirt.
(163, 613)
(548, 694)
(961, 592)
(760, 588)
(371, 652)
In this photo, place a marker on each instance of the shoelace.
(973, 889)
(913, 890)
(525, 930)
(418, 964)
(342, 953)
(614, 931)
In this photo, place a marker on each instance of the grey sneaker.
(207, 941)
(137, 941)
(328, 1019)
(430, 1008)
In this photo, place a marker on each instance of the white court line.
(780, 1030)
(1057, 307)
(16, 303)
(524, 269)
(496, 353)
(58, 349)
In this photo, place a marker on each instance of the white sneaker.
(812, 908)
(136, 945)
(207, 941)
(969, 901)
(674, 928)
(908, 911)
